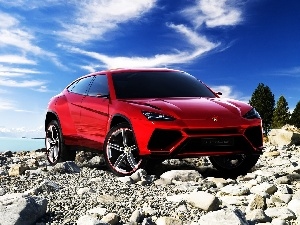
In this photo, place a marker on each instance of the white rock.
(136, 216)
(233, 200)
(98, 211)
(138, 175)
(278, 222)
(84, 191)
(126, 180)
(111, 218)
(257, 215)
(200, 199)
(294, 205)
(181, 175)
(281, 213)
(283, 137)
(281, 198)
(20, 209)
(264, 188)
(90, 220)
(66, 167)
(168, 221)
(234, 190)
(17, 170)
(223, 216)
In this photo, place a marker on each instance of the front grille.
(161, 139)
(209, 131)
(254, 135)
(219, 144)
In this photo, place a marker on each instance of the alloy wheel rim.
(52, 143)
(122, 151)
(230, 162)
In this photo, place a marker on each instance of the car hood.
(196, 108)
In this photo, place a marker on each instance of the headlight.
(153, 116)
(252, 114)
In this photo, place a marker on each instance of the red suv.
(135, 115)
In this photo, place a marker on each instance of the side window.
(99, 86)
(82, 86)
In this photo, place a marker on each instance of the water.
(20, 144)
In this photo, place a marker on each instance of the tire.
(234, 164)
(56, 150)
(121, 152)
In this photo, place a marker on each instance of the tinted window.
(81, 86)
(99, 86)
(159, 85)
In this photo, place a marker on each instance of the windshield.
(158, 85)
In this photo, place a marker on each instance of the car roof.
(121, 70)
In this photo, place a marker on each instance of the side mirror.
(219, 93)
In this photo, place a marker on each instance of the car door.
(76, 93)
(94, 112)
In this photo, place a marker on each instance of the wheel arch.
(49, 117)
(117, 119)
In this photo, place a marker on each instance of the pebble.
(83, 193)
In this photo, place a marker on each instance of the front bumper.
(177, 140)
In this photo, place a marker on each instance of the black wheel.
(234, 164)
(56, 150)
(121, 152)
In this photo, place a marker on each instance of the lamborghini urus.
(137, 115)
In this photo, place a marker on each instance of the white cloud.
(214, 13)
(13, 35)
(23, 84)
(199, 44)
(229, 92)
(15, 72)
(94, 18)
(6, 104)
(16, 59)
(30, 4)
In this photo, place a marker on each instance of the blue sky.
(231, 45)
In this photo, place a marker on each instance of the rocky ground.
(175, 192)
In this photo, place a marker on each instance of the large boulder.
(19, 209)
(287, 135)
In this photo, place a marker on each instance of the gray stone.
(90, 220)
(294, 205)
(66, 167)
(181, 175)
(17, 209)
(224, 216)
(46, 185)
(126, 180)
(96, 161)
(257, 215)
(8, 153)
(148, 221)
(2, 191)
(283, 180)
(168, 221)
(111, 218)
(281, 213)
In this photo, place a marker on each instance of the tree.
(281, 115)
(263, 101)
(295, 117)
